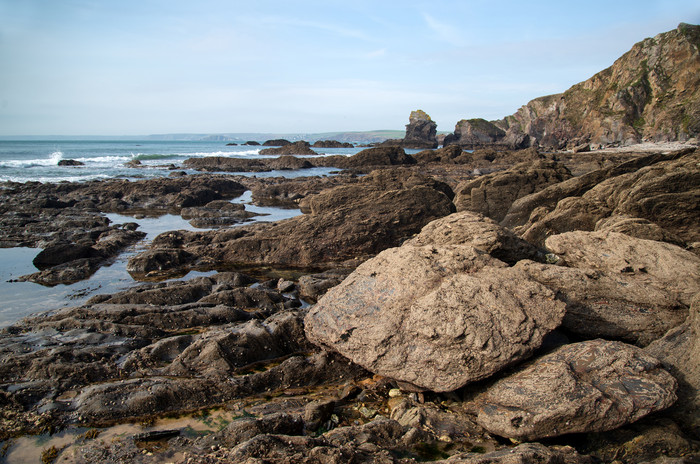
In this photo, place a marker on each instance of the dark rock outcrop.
(368, 159)
(276, 143)
(476, 133)
(421, 132)
(331, 144)
(224, 164)
(358, 221)
(297, 148)
(70, 162)
(219, 213)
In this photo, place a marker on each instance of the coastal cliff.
(651, 93)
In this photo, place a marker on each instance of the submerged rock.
(589, 386)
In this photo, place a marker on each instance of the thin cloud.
(445, 32)
(327, 27)
(376, 53)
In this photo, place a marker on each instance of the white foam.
(56, 156)
(228, 154)
(53, 179)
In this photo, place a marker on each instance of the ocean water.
(30, 160)
(23, 161)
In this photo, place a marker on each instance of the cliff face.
(651, 93)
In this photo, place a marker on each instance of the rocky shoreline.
(455, 307)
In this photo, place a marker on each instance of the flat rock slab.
(437, 317)
(590, 386)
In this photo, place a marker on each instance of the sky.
(88, 67)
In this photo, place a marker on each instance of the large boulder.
(62, 252)
(603, 304)
(493, 195)
(588, 386)
(436, 317)
(679, 350)
(658, 264)
(482, 233)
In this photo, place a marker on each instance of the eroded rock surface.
(156, 348)
(588, 386)
(613, 305)
(437, 317)
(482, 233)
(679, 350)
(493, 195)
(665, 193)
(661, 265)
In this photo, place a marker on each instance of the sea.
(37, 161)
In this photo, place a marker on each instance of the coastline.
(221, 345)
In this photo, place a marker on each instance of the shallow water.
(21, 299)
(28, 449)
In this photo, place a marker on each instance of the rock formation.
(475, 133)
(421, 132)
(331, 144)
(464, 316)
(297, 148)
(664, 193)
(350, 222)
(651, 93)
(582, 387)
(493, 194)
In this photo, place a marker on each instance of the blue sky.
(87, 67)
